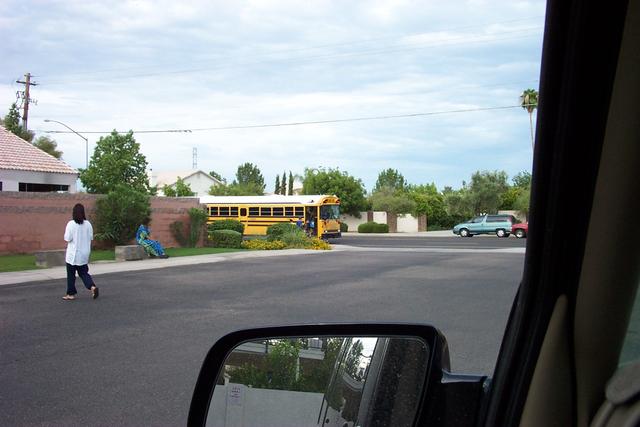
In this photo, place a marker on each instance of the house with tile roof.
(24, 167)
(199, 181)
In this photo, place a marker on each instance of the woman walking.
(78, 236)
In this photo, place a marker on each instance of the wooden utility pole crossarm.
(27, 83)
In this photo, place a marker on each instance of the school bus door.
(312, 212)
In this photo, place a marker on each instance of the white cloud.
(167, 65)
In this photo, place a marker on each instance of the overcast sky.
(157, 65)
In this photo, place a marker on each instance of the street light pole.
(86, 140)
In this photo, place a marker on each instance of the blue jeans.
(83, 272)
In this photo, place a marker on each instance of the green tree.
(48, 145)
(350, 190)
(248, 174)
(283, 184)
(315, 377)
(529, 101)
(12, 122)
(217, 176)
(458, 204)
(116, 160)
(430, 202)
(277, 186)
(522, 202)
(390, 178)
(486, 189)
(522, 180)
(290, 192)
(390, 200)
(181, 189)
(509, 197)
(278, 370)
(119, 214)
(235, 189)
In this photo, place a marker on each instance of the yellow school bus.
(318, 214)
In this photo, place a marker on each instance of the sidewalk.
(106, 267)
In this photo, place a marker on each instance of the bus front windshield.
(329, 212)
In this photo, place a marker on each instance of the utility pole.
(194, 163)
(26, 100)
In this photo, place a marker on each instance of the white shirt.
(78, 238)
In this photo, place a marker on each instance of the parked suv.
(486, 224)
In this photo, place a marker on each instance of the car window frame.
(552, 262)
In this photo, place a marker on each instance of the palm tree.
(529, 101)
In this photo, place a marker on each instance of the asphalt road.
(132, 356)
(455, 242)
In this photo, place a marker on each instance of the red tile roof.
(18, 154)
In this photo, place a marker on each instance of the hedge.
(225, 239)
(276, 231)
(344, 227)
(226, 224)
(373, 227)
(295, 239)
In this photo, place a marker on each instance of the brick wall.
(30, 222)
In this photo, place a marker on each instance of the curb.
(107, 267)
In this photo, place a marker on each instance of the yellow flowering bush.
(319, 245)
(263, 245)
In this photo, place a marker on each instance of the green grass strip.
(28, 262)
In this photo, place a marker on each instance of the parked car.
(486, 224)
(520, 229)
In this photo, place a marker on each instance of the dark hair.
(78, 213)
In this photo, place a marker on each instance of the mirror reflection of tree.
(353, 361)
(344, 393)
(283, 368)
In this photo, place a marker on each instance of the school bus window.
(254, 211)
(299, 211)
(213, 211)
(224, 211)
(277, 211)
(265, 212)
(288, 211)
(330, 212)
(243, 211)
(234, 211)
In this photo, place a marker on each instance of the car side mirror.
(333, 375)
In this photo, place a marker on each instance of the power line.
(356, 119)
(306, 48)
(415, 46)
(313, 122)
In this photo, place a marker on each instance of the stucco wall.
(31, 222)
(380, 217)
(11, 178)
(405, 223)
(236, 405)
(200, 183)
(353, 222)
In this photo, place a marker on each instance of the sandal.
(95, 292)
(69, 298)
